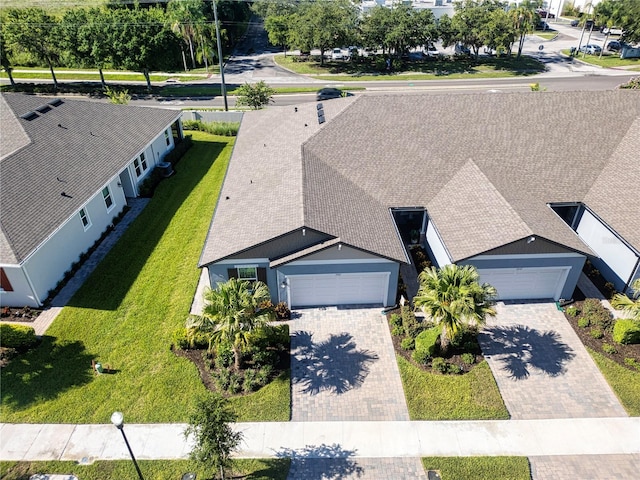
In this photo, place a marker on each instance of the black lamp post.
(117, 418)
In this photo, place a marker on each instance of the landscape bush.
(225, 129)
(397, 331)
(427, 341)
(439, 365)
(583, 322)
(632, 362)
(20, 337)
(421, 357)
(596, 333)
(395, 320)
(410, 323)
(282, 311)
(597, 314)
(468, 358)
(407, 343)
(626, 331)
(572, 311)
(608, 348)
(454, 369)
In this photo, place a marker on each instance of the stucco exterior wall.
(435, 246)
(22, 294)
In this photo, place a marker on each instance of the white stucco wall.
(437, 248)
(22, 294)
(48, 263)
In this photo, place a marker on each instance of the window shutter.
(232, 273)
(262, 275)
(5, 284)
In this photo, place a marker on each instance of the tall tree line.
(163, 36)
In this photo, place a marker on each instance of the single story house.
(67, 168)
(320, 200)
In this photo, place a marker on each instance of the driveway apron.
(343, 368)
(541, 366)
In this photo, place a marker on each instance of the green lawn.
(609, 61)
(624, 382)
(259, 469)
(479, 468)
(451, 68)
(430, 396)
(126, 313)
(95, 76)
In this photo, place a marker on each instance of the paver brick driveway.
(541, 366)
(343, 367)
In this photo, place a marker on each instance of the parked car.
(545, 14)
(461, 49)
(574, 23)
(590, 49)
(591, 25)
(328, 93)
(614, 46)
(611, 31)
(432, 51)
(542, 26)
(336, 54)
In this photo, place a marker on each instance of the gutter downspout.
(35, 295)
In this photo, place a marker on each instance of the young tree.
(255, 96)
(524, 19)
(186, 16)
(4, 59)
(214, 438)
(452, 296)
(32, 30)
(231, 312)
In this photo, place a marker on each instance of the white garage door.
(338, 289)
(526, 283)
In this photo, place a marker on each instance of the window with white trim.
(84, 218)
(140, 165)
(106, 195)
(167, 137)
(249, 274)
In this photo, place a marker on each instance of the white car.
(591, 49)
(432, 51)
(336, 54)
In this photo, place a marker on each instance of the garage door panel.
(525, 283)
(337, 289)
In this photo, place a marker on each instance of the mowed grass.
(608, 60)
(125, 316)
(472, 396)
(479, 468)
(95, 76)
(624, 382)
(255, 469)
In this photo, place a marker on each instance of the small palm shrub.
(583, 322)
(454, 369)
(439, 365)
(468, 358)
(596, 333)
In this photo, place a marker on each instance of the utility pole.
(222, 85)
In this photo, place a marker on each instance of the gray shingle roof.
(488, 164)
(75, 147)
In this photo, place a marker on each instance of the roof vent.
(43, 108)
(29, 116)
(56, 102)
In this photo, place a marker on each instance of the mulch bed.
(453, 356)
(623, 351)
(24, 314)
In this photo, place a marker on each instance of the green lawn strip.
(249, 469)
(624, 382)
(430, 396)
(479, 468)
(451, 68)
(607, 61)
(546, 35)
(109, 77)
(272, 403)
(125, 314)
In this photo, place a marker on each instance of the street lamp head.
(117, 418)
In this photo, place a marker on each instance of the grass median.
(624, 382)
(479, 468)
(125, 315)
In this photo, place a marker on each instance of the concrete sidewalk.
(531, 438)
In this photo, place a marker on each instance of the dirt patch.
(622, 351)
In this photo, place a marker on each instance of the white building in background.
(438, 7)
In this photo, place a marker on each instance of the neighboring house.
(67, 168)
(320, 200)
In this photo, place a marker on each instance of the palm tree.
(524, 19)
(630, 306)
(453, 296)
(231, 312)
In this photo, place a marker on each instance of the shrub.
(410, 323)
(583, 322)
(197, 339)
(439, 365)
(427, 341)
(223, 356)
(471, 347)
(626, 331)
(222, 379)
(572, 311)
(397, 331)
(591, 305)
(149, 184)
(610, 349)
(454, 369)
(180, 340)
(225, 129)
(421, 357)
(407, 343)
(20, 337)
(235, 383)
(468, 358)
(264, 374)
(596, 333)
(282, 311)
(250, 382)
(174, 156)
(265, 357)
(395, 320)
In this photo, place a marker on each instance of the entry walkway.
(532, 438)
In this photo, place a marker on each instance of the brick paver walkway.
(541, 366)
(585, 467)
